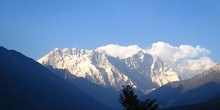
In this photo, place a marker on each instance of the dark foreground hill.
(27, 85)
(213, 104)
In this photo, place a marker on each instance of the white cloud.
(120, 51)
(190, 67)
(187, 60)
(174, 54)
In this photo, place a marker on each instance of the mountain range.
(144, 71)
(69, 79)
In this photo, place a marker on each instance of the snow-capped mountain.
(141, 70)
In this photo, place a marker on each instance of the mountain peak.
(216, 67)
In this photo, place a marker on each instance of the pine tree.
(130, 101)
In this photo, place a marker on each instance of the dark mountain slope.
(195, 90)
(106, 95)
(213, 104)
(27, 85)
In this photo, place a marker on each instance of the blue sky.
(35, 27)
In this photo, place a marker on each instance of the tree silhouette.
(130, 101)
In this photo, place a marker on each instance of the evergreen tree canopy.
(130, 101)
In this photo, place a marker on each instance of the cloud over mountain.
(120, 51)
(187, 60)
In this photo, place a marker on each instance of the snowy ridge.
(142, 70)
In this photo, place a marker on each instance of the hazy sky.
(35, 27)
